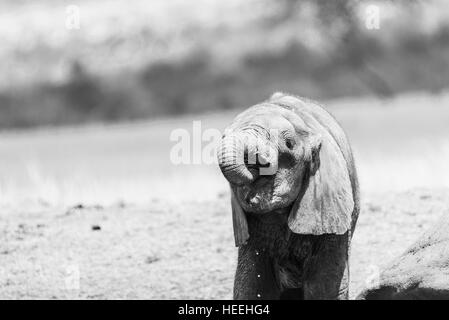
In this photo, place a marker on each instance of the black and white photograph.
(224, 150)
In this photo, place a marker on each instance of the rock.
(96, 227)
(422, 272)
(152, 259)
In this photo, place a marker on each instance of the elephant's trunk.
(231, 153)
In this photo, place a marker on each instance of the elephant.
(420, 273)
(294, 198)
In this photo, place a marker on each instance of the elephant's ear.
(325, 203)
(241, 234)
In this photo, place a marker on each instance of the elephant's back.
(306, 108)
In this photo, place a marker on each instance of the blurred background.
(89, 61)
(90, 92)
(149, 67)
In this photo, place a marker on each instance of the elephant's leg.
(255, 276)
(327, 275)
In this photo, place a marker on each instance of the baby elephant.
(295, 200)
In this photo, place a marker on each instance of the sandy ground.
(174, 251)
(101, 213)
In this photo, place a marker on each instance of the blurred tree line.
(356, 63)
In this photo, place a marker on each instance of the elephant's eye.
(289, 143)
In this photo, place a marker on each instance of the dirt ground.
(100, 213)
(171, 251)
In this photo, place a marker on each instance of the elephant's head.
(279, 156)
